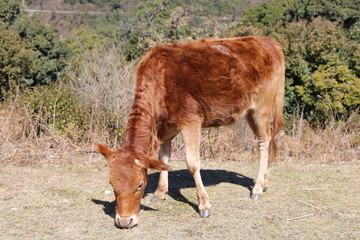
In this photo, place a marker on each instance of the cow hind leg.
(163, 184)
(259, 122)
(192, 135)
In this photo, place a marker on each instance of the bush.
(105, 81)
(316, 52)
(81, 42)
(31, 53)
(320, 59)
(53, 108)
(332, 90)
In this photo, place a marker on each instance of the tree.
(50, 53)
(16, 60)
(141, 30)
(9, 10)
(344, 11)
(268, 13)
(83, 41)
(31, 54)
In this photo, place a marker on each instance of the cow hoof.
(255, 196)
(204, 213)
(155, 199)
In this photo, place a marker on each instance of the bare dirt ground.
(71, 201)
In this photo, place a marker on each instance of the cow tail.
(277, 122)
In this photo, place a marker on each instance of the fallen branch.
(312, 189)
(309, 204)
(300, 217)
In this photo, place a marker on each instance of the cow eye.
(140, 186)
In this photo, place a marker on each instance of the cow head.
(128, 177)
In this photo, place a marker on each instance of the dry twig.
(312, 189)
(310, 205)
(300, 217)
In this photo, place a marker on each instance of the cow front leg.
(163, 184)
(192, 135)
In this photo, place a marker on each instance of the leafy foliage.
(31, 52)
(312, 51)
(9, 10)
(345, 11)
(332, 90)
(268, 14)
(50, 52)
(54, 107)
(16, 60)
(83, 41)
(141, 30)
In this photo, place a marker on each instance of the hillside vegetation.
(77, 87)
(116, 11)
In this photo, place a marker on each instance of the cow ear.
(158, 165)
(105, 151)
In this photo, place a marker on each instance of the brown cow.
(184, 87)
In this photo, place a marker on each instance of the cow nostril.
(118, 222)
(131, 220)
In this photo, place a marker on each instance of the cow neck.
(141, 128)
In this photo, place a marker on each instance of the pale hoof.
(204, 213)
(255, 196)
(155, 199)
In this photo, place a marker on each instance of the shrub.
(53, 108)
(332, 90)
(104, 81)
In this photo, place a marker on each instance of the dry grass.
(338, 141)
(236, 143)
(69, 201)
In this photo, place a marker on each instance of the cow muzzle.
(126, 222)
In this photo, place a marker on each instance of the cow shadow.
(109, 207)
(181, 179)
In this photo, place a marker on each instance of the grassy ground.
(70, 201)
